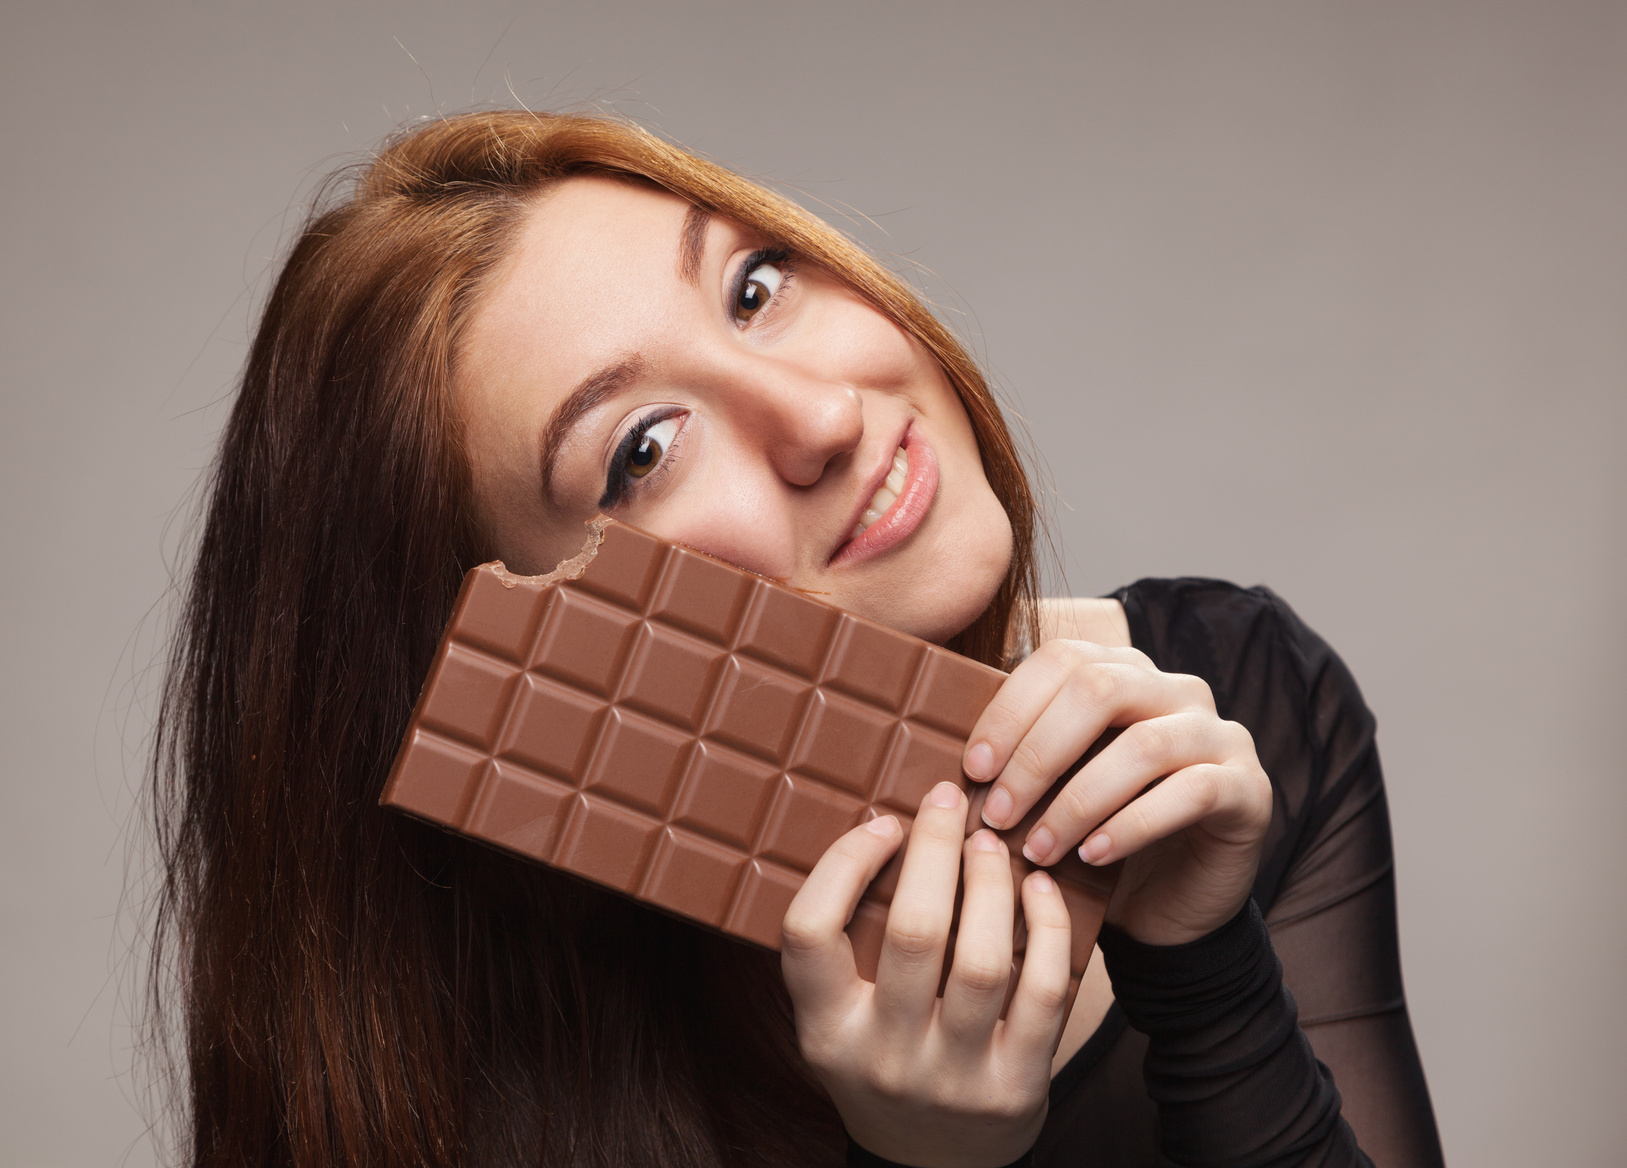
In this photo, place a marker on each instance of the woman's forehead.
(596, 261)
(584, 223)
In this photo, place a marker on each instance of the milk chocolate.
(684, 732)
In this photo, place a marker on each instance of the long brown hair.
(353, 986)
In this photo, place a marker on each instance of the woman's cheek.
(978, 566)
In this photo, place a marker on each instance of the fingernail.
(980, 761)
(1042, 880)
(946, 795)
(882, 825)
(985, 840)
(1039, 845)
(998, 807)
(1095, 848)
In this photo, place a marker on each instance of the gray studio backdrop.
(1326, 296)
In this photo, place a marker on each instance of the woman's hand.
(1179, 795)
(918, 1079)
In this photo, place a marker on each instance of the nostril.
(820, 433)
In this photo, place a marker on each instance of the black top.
(1227, 1077)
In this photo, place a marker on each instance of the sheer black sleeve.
(1232, 1075)
(1327, 880)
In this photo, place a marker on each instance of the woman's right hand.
(926, 1081)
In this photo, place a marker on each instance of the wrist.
(1222, 945)
(1168, 989)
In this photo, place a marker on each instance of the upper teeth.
(886, 493)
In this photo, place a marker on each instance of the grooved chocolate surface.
(689, 734)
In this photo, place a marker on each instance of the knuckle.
(1260, 795)
(1204, 786)
(1071, 804)
(818, 1050)
(1193, 690)
(1062, 653)
(1027, 759)
(1094, 685)
(1050, 994)
(1237, 736)
(1139, 659)
(914, 937)
(1133, 822)
(1152, 741)
(937, 828)
(1017, 1107)
(1001, 721)
(801, 931)
(982, 976)
(890, 1078)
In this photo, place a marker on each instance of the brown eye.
(758, 289)
(642, 461)
(647, 455)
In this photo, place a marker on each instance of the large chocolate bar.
(672, 727)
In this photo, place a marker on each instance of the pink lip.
(900, 520)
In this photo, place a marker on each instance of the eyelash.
(617, 485)
(780, 257)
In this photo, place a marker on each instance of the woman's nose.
(805, 422)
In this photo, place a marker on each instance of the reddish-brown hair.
(355, 987)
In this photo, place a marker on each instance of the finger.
(1137, 758)
(1233, 803)
(1094, 696)
(976, 988)
(911, 959)
(815, 953)
(1038, 1009)
(1030, 688)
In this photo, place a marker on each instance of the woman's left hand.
(1191, 841)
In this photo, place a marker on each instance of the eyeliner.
(615, 486)
(778, 255)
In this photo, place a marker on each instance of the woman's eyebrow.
(589, 392)
(692, 244)
(596, 387)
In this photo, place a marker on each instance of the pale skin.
(722, 395)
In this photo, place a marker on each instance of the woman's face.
(635, 357)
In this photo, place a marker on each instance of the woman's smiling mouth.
(897, 504)
(886, 493)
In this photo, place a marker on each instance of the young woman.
(513, 322)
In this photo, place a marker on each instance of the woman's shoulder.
(1266, 667)
(1247, 642)
(1084, 618)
